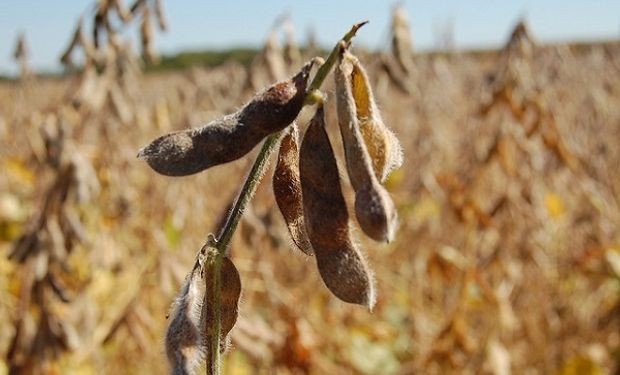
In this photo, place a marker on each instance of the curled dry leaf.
(374, 208)
(230, 137)
(231, 292)
(287, 189)
(340, 262)
(184, 345)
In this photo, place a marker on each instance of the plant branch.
(245, 196)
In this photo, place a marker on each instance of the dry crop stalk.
(402, 45)
(269, 62)
(147, 34)
(123, 13)
(41, 334)
(160, 14)
(517, 55)
(21, 55)
(292, 54)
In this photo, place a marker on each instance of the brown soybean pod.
(231, 292)
(340, 263)
(230, 137)
(374, 208)
(287, 189)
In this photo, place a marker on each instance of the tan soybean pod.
(184, 341)
(374, 208)
(340, 263)
(232, 136)
(383, 147)
(287, 189)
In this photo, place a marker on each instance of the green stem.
(245, 196)
(324, 70)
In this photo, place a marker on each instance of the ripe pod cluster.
(307, 189)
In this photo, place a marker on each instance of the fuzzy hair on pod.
(184, 340)
(382, 145)
(374, 208)
(287, 189)
(340, 263)
(230, 137)
(187, 337)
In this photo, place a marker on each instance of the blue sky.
(200, 24)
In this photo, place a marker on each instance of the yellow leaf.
(9, 231)
(173, 233)
(370, 357)
(554, 204)
(425, 209)
(237, 364)
(19, 171)
(580, 366)
(395, 179)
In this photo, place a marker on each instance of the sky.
(208, 24)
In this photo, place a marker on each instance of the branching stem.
(245, 196)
